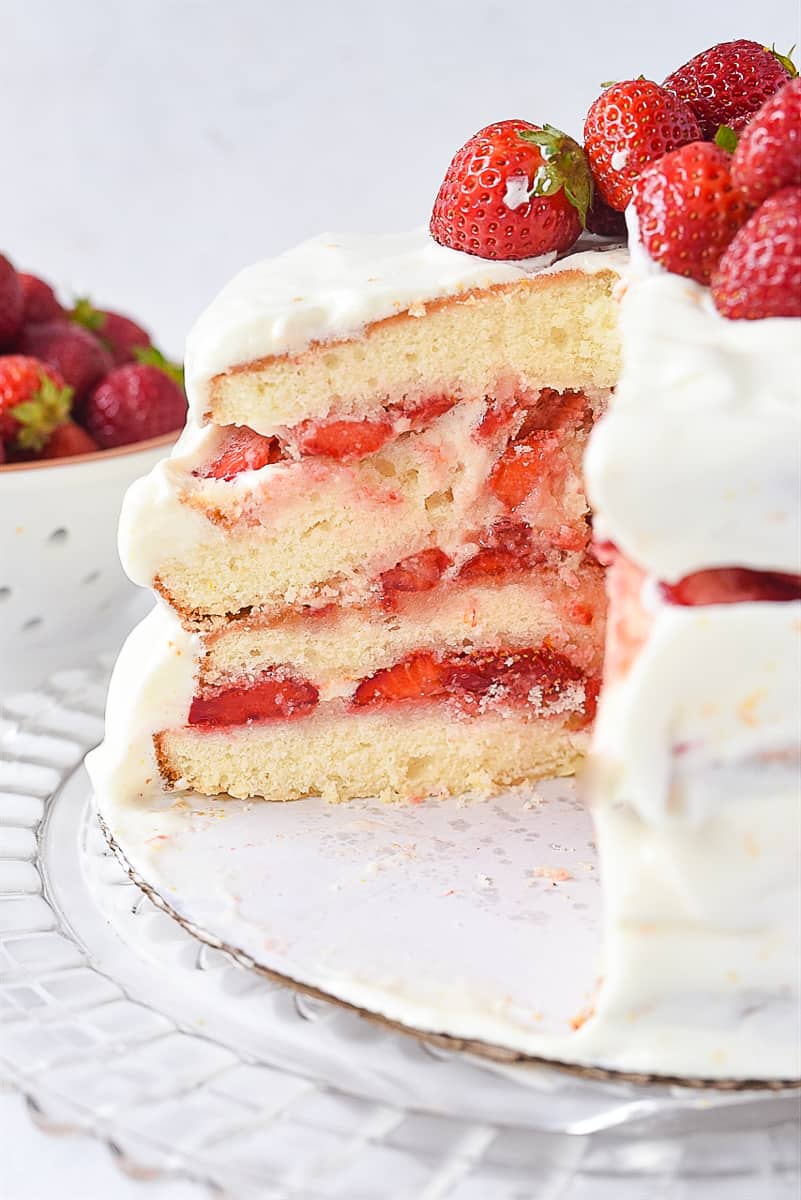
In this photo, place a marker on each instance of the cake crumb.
(484, 882)
(555, 874)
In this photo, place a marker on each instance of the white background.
(150, 148)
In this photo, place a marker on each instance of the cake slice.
(374, 527)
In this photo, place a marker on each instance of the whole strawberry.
(121, 336)
(34, 400)
(768, 155)
(726, 84)
(760, 273)
(134, 402)
(688, 209)
(39, 301)
(74, 352)
(10, 303)
(66, 441)
(629, 126)
(515, 190)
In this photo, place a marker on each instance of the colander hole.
(5, 593)
(32, 623)
(91, 577)
(58, 536)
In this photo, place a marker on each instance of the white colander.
(62, 589)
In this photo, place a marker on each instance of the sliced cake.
(375, 524)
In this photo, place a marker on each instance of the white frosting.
(151, 689)
(698, 463)
(332, 286)
(712, 686)
(694, 770)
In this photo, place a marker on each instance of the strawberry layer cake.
(382, 547)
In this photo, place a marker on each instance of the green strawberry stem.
(785, 60)
(84, 313)
(39, 416)
(150, 356)
(564, 166)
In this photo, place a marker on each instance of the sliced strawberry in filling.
(492, 563)
(542, 678)
(414, 678)
(732, 585)
(347, 439)
(525, 466)
(417, 573)
(242, 450)
(423, 412)
(273, 695)
(555, 411)
(341, 440)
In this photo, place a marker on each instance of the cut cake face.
(382, 553)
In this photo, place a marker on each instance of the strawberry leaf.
(84, 313)
(785, 60)
(726, 138)
(39, 416)
(150, 356)
(564, 166)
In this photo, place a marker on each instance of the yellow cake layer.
(555, 331)
(407, 752)
(339, 649)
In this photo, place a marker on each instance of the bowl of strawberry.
(87, 405)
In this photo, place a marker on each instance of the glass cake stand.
(115, 1020)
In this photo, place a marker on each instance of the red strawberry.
(726, 84)
(629, 126)
(605, 221)
(242, 450)
(10, 302)
(2, 454)
(423, 412)
(75, 353)
(732, 585)
(66, 440)
(343, 439)
(418, 676)
(133, 403)
(518, 470)
(119, 334)
(768, 155)
(417, 573)
(39, 301)
(554, 410)
(272, 695)
(492, 563)
(760, 273)
(515, 190)
(689, 210)
(33, 401)
(517, 672)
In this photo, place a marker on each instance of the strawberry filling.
(732, 585)
(417, 573)
(344, 440)
(274, 695)
(542, 678)
(347, 439)
(242, 450)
